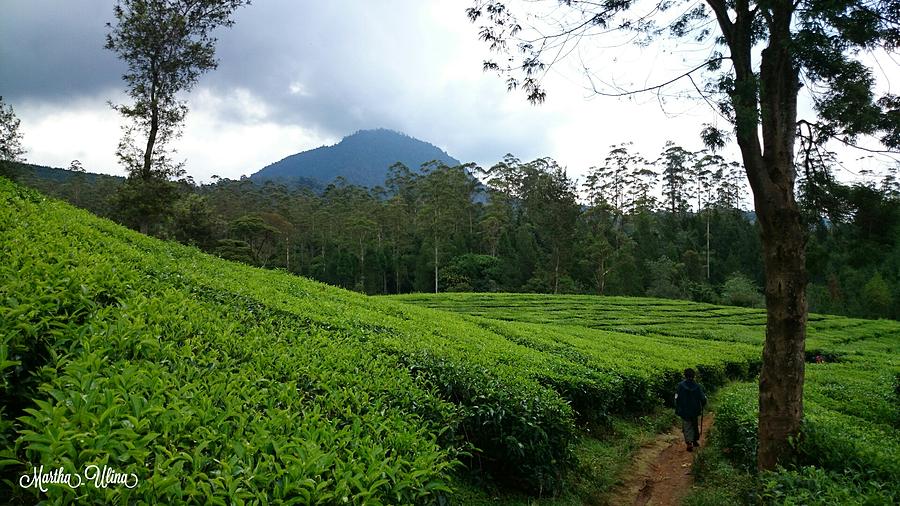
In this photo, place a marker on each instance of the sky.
(295, 75)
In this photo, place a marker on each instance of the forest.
(676, 225)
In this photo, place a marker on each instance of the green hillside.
(216, 382)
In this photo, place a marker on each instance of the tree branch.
(655, 87)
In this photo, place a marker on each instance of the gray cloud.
(52, 50)
(328, 67)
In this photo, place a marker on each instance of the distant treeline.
(528, 227)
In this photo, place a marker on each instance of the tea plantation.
(850, 450)
(218, 383)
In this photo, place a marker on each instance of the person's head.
(689, 374)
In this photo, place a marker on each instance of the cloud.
(85, 129)
(296, 75)
(52, 50)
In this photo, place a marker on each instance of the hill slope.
(213, 381)
(118, 347)
(362, 158)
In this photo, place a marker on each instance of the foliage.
(666, 279)
(471, 273)
(257, 234)
(143, 203)
(815, 486)
(235, 250)
(877, 294)
(739, 290)
(11, 149)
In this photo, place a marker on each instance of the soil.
(660, 474)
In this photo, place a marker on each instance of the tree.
(757, 91)
(739, 290)
(77, 180)
(11, 149)
(192, 220)
(608, 184)
(256, 231)
(444, 198)
(675, 162)
(167, 45)
(549, 199)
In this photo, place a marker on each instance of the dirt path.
(660, 474)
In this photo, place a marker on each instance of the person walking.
(689, 402)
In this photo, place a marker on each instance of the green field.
(218, 383)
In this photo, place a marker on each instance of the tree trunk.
(362, 265)
(707, 245)
(770, 170)
(556, 275)
(781, 378)
(154, 127)
(783, 240)
(601, 276)
(435, 266)
(396, 269)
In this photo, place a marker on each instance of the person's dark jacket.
(689, 399)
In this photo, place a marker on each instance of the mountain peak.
(361, 158)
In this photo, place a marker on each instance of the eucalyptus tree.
(444, 202)
(642, 180)
(503, 181)
(608, 183)
(676, 163)
(704, 177)
(550, 202)
(167, 45)
(765, 53)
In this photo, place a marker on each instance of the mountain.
(362, 158)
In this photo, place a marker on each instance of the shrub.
(877, 296)
(810, 485)
(739, 290)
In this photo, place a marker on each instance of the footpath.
(660, 474)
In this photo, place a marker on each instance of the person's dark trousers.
(690, 427)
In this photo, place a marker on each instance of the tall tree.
(77, 180)
(676, 162)
(444, 199)
(167, 45)
(11, 149)
(609, 183)
(550, 202)
(503, 182)
(758, 92)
